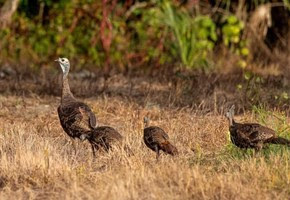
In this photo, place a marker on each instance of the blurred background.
(201, 49)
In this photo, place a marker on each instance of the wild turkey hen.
(76, 117)
(78, 120)
(252, 135)
(157, 139)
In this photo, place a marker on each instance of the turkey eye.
(62, 60)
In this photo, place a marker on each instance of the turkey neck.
(231, 121)
(146, 124)
(66, 93)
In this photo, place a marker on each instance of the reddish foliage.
(106, 25)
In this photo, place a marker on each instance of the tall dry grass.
(37, 160)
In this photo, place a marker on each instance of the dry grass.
(37, 160)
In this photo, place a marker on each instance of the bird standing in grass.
(252, 135)
(157, 139)
(78, 120)
(102, 137)
(76, 117)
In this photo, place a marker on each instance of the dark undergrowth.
(208, 92)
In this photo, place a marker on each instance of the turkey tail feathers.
(280, 140)
(169, 148)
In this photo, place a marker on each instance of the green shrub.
(232, 38)
(155, 33)
(195, 37)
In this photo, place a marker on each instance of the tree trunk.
(7, 11)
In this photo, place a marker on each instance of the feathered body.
(157, 139)
(252, 135)
(78, 120)
(104, 137)
(75, 117)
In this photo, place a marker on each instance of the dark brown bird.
(252, 135)
(157, 139)
(78, 120)
(102, 137)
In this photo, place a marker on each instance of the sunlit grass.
(37, 159)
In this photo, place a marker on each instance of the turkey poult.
(157, 139)
(252, 135)
(102, 137)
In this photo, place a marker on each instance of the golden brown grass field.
(37, 160)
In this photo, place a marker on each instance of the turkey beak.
(57, 60)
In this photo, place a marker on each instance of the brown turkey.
(102, 137)
(76, 118)
(157, 139)
(252, 135)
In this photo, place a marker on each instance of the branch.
(7, 11)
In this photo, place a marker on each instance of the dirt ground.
(203, 92)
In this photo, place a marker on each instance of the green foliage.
(33, 37)
(146, 33)
(147, 36)
(195, 36)
(232, 30)
(232, 38)
(287, 4)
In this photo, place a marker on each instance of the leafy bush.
(146, 33)
(232, 38)
(195, 36)
(65, 30)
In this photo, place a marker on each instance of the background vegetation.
(197, 46)
(131, 34)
